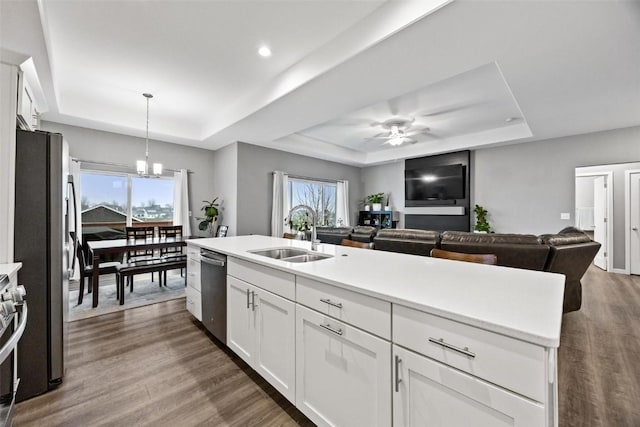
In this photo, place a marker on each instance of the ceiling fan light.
(396, 141)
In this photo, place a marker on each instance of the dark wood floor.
(156, 366)
(599, 367)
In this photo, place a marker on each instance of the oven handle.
(12, 342)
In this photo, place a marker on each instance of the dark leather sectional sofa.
(569, 252)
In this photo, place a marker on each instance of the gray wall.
(255, 183)
(100, 146)
(526, 186)
(224, 185)
(617, 253)
(387, 179)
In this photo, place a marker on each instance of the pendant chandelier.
(142, 166)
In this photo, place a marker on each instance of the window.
(109, 200)
(320, 196)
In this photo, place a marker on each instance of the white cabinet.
(428, 393)
(194, 296)
(260, 329)
(27, 114)
(343, 374)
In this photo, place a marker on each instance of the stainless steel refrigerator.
(43, 245)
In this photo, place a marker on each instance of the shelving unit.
(378, 219)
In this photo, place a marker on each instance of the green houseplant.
(376, 201)
(210, 215)
(482, 225)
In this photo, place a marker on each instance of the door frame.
(627, 219)
(609, 177)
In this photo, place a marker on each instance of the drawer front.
(270, 279)
(193, 274)
(193, 253)
(194, 303)
(507, 362)
(368, 313)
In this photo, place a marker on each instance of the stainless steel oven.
(13, 320)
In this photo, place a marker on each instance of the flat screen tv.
(434, 183)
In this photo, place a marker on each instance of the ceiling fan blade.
(381, 135)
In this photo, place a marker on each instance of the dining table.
(120, 246)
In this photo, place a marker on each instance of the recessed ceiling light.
(264, 51)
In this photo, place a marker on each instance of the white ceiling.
(562, 67)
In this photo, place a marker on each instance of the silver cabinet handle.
(253, 301)
(328, 301)
(248, 303)
(398, 380)
(634, 228)
(444, 344)
(329, 328)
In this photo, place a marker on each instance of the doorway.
(594, 206)
(632, 220)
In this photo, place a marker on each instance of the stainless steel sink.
(307, 258)
(279, 253)
(291, 254)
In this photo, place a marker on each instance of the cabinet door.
(240, 318)
(343, 375)
(274, 356)
(428, 393)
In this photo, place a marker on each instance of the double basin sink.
(291, 254)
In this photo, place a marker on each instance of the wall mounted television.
(435, 183)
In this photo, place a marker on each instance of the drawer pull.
(328, 301)
(444, 344)
(329, 328)
(248, 303)
(253, 301)
(398, 380)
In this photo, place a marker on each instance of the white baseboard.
(619, 271)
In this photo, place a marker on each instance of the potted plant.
(210, 216)
(376, 201)
(482, 225)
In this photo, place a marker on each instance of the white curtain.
(280, 208)
(342, 204)
(181, 201)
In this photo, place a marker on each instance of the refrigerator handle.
(75, 224)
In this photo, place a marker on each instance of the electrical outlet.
(189, 213)
(565, 215)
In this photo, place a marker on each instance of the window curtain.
(74, 170)
(342, 204)
(280, 207)
(181, 201)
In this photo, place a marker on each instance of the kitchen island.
(379, 338)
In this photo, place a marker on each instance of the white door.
(274, 356)
(428, 393)
(343, 375)
(600, 220)
(634, 222)
(240, 318)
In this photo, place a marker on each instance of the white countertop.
(523, 304)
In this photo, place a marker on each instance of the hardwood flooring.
(155, 365)
(599, 355)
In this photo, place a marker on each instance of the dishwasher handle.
(216, 262)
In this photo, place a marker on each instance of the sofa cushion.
(408, 241)
(512, 250)
(363, 233)
(333, 235)
(565, 239)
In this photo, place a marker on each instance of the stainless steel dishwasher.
(213, 284)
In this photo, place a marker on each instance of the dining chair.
(140, 233)
(288, 236)
(170, 231)
(354, 244)
(86, 271)
(489, 259)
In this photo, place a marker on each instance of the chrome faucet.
(314, 240)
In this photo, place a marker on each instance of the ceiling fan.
(398, 131)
